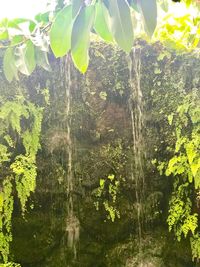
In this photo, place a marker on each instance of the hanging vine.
(184, 165)
(20, 124)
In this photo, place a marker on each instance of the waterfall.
(137, 122)
(72, 222)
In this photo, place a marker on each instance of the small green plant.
(184, 165)
(106, 195)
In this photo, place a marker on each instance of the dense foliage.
(68, 28)
(184, 165)
(20, 123)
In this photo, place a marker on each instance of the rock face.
(102, 147)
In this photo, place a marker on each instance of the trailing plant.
(6, 209)
(184, 166)
(20, 124)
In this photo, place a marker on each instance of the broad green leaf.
(101, 24)
(26, 26)
(25, 58)
(76, 6)
(42, 17)
(60, 33)
(17, 39)
(42, 59)
(121, 24)
(9, 67)
(17, 21)
(81, 37)
(32, 26)
(148, 10)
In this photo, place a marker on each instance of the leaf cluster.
(184, 165)
(69, 29)
(180, 31)
(106, 195)
(17, 135)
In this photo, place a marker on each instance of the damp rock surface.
(93, 137)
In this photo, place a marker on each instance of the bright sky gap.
(21, 8)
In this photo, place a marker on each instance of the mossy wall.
(102, 141)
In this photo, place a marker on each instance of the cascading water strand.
(72, 222)
(137, 123)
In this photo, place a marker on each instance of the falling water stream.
(137, 122)
(72, 222)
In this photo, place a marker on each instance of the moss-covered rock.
(102, 146)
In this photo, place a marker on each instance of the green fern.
(184, 165)
(22, 167)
